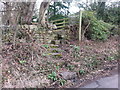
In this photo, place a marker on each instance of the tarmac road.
(107, 82)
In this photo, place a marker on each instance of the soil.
(25, 66)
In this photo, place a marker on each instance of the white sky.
(74, 8)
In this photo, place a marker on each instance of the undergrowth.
(98, 29)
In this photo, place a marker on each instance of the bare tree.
(17, 13)
(43, 8)
(14, 9)
(26, 11)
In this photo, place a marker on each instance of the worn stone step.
(55, 54)
(57, 49)
(54, 46)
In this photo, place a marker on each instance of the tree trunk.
(27, 12)
(54, 8)
(13, 9)
(43, 7)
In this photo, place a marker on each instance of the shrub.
(98, 29)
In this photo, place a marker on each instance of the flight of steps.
(50, 36)
(52, 51)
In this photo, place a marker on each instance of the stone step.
(55, 54)
(57, 49)
(53, 46)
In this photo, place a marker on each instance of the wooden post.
(64, 24)
(80, 22)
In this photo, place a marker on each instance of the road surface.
(107, 82)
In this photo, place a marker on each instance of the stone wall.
(48, 36)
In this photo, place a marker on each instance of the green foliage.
(76, 48)
(70, 67)
(110, 58)
(58, 8)
(45, 45)
(44, 54)
(98, 29)
(75, 51)
(56, 17)
(115, 31)
(57, 67)
(106, 12)
(52, 76)
(59, 16)
(22, 61)
(92, 62)
(81, 72)
(95, 63)
(62, 81)
(55, 51)
(111, 13)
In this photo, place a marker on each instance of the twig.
(87, 26)
(85, 30)
(53, 83)
(32, 55)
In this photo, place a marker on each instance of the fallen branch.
(85, 30)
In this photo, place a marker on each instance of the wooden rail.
(60, 19)
(61, 23)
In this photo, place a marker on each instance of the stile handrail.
(61, 25)
(60, 19)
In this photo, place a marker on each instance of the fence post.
(80, 22)
(64, 24)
